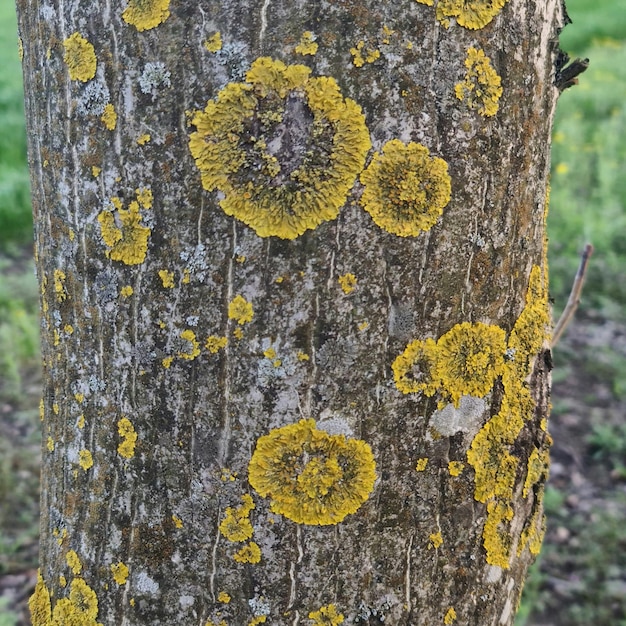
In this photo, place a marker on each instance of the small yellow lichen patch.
(414, 369)
(538, 464)
(62, 581)
(240, 310)
(260, 619)
(449, 617)
(214, 343)
(80, 58)
(81, 421)
(120, 572)
(307, 44)
(39, 604)
(167, 278)
(73, 562)
(142, 140)
(59, 288)
(406, 189)
(146, 14)
(326, 616)
(473, 14)
(80, 609)
(421, 464)
(310, 476)
(239, 151)
(85, 460)
(426, 2)
(238, 333)
(95, 171)
(68, 329)
(50, 444)
(347, 282)
(109, 117)
(236, 524)
(127, 291)
(302, 356)
(481, 87)
(223, 597)
(362, 55)
(214, 43)
(436, 540)
(194, 347)
(42, 410)
(127, 432)
(127, 242)
(250, 553)
(178, 523)
(455, 468)
(496, 535)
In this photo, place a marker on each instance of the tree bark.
(224, 258)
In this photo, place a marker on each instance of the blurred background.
(580, 577)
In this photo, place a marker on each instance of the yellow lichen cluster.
(464, 361)
(472, 14)
(194, 345)
(127, 432)
(450, 616)
(80, 58)
(109, 117)
(280, 185)
(127, 242)
(85, 459)
(236, 527)
(491, 453)
(214, 344)
(80, 608)
(59, 285)
(73, 562)
(146, 14)
(347, 282)
(167, 278)
(312, 477)
(214, 43)
(406, 189)
(240, 310)
(362, 54)
(120, 572)
(326, 616)
(307, 44)
(481, 87)
(435, 540)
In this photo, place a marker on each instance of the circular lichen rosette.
(283, 148)
(310, 476)
(406, 189)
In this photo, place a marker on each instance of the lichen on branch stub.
(283, 148)
(310, 476)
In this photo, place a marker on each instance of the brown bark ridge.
(294, 311)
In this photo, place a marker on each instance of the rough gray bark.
(149, 429)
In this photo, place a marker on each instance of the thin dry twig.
(574, 296)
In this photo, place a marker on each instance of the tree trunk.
(295, 322)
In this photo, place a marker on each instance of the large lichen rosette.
(283, 149)
(472, 14)
(310, 476)
(406, 189)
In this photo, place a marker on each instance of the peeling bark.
(174, 336)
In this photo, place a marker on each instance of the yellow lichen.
(167, 362)
(259, 619)
(455, 468)
(127, 242)
(421, 464)
(85, 460)
(326, 616)
(194, 345)
(302, 356)
(42, 410)
(278, 184)
(362, 55)
(312, 477)
(238, 333)
(95, 171)
(178, 523)
(214, 343)
(223, 597)
(307, 44)
(426, 2)
(538, 463)
(406, 189)
(240, 310)
(236, 525)
(109, 117)
(469, 359)
(127, 432)
(39, 604)
(80, 58)
(146, 14)
(59, 288)
(126, 291)
(120, 572)
(472, 14)
(347, 282)
(534, 531)
(450, 616)
(481, 87)
(496, 537)
(73, 562)
(414, 369)
(214, 43)
(62, 581)
(436, 540)
(81, 421)
(79, 609)
(250, 553)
